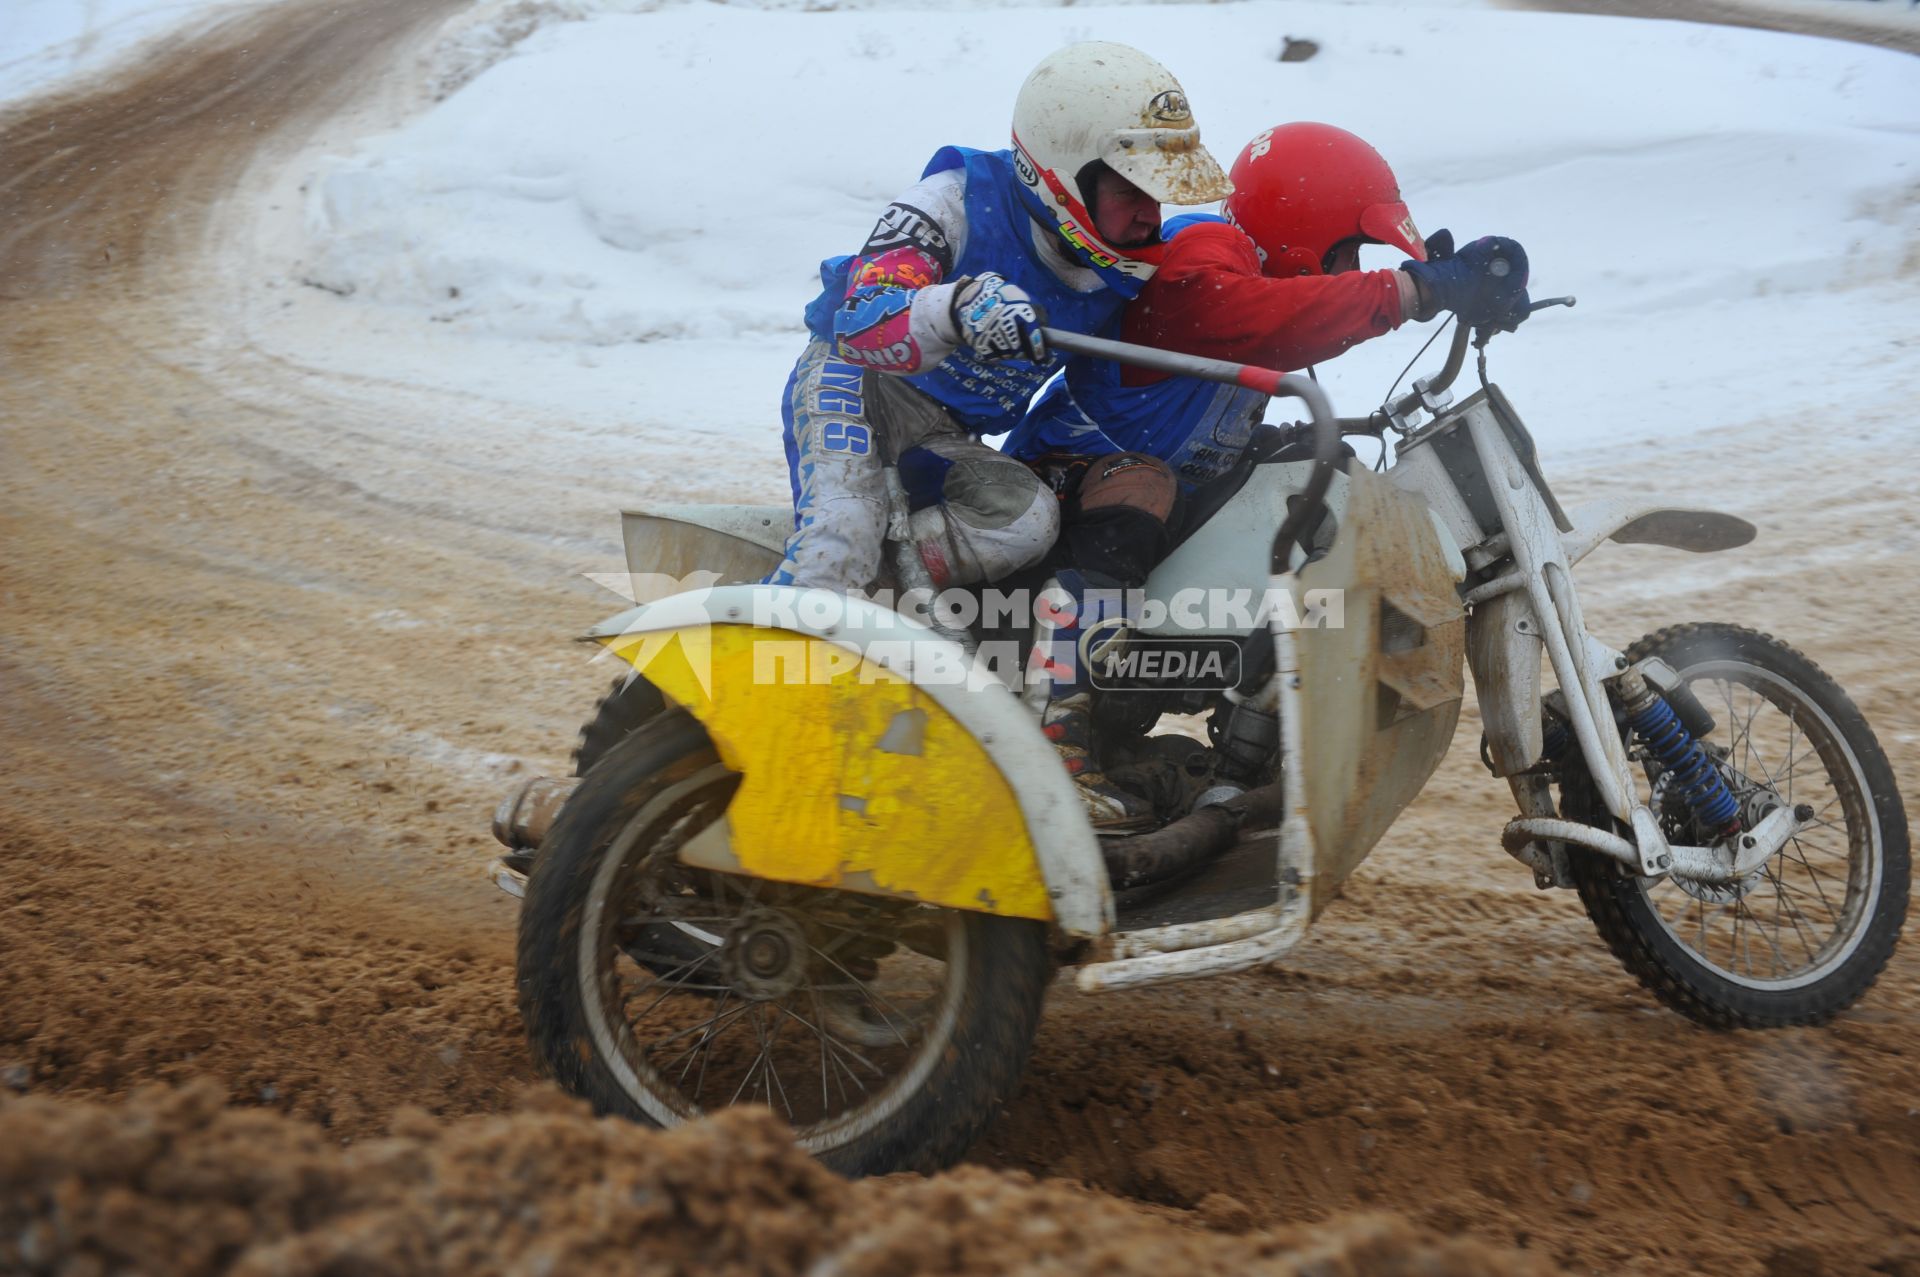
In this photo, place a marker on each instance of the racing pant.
(977, 513)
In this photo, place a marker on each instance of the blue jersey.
(990, 396)
(1199, 428)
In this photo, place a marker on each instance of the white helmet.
(1104, 102)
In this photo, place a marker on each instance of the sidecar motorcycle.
(818, 855)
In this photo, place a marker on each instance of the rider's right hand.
(1485, 283)
(997, 320)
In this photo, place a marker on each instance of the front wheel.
(886, 1032)
(1807, 934)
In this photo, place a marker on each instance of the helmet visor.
(1168, 164)
(1392, 224)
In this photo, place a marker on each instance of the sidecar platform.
(1245, 876)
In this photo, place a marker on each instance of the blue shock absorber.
(1693, 774)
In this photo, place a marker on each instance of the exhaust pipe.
(523, 817)
(1140, 860)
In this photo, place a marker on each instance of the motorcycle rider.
(929, 336)
(1274, 283)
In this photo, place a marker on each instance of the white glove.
(997, 320)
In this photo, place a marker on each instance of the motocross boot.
(1068, 723)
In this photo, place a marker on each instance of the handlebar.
(1326, 427)
(1456, 359)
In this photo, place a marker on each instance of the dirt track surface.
(270, 653)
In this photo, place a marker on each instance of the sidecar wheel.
(886, 1032)
(1807, 935)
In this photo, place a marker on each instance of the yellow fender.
(875, 756)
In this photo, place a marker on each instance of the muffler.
(523, 817)
(1151, 859)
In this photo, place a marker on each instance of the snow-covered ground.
(621, 214)
(614, 210)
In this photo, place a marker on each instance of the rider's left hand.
(1521, 307)
(1484, 283)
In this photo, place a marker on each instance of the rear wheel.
(1804, 936)
(886, 1032)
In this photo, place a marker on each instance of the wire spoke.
(1826, 807)
(830, 1051)
(1800, 894)
(1779, 909)
(1726, 694)
(706, 1057)
(839, 1065)
(1799, 854)
(1778, 957)
(1740, 737)
(760, 1036)
(1793, 916)
(773, 1068)
(1793, 729)
(695, 1028)
(1806, 843)
(770, 1028)
(689, 1052)
(815, 999)
(1754, 761)
(838, 1044)
(873, 997)
(1734, 952)
(671, 989)
(827, 1040)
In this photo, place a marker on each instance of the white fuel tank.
(1215, 581)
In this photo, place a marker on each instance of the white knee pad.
(970, 553)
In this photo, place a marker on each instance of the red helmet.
(1301, 190)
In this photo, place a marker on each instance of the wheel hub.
(1678, 824)
(765, 955)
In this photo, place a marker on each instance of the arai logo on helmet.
(1170, 108)
(1023, 168)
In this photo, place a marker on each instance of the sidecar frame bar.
(1326, 427)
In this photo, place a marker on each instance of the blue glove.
(997, 320)
(1484, 283)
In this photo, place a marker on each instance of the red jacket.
(1209, 298)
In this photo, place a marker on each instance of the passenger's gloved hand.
(997, 320)
(1484, 283)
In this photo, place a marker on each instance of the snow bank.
(657, 184)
